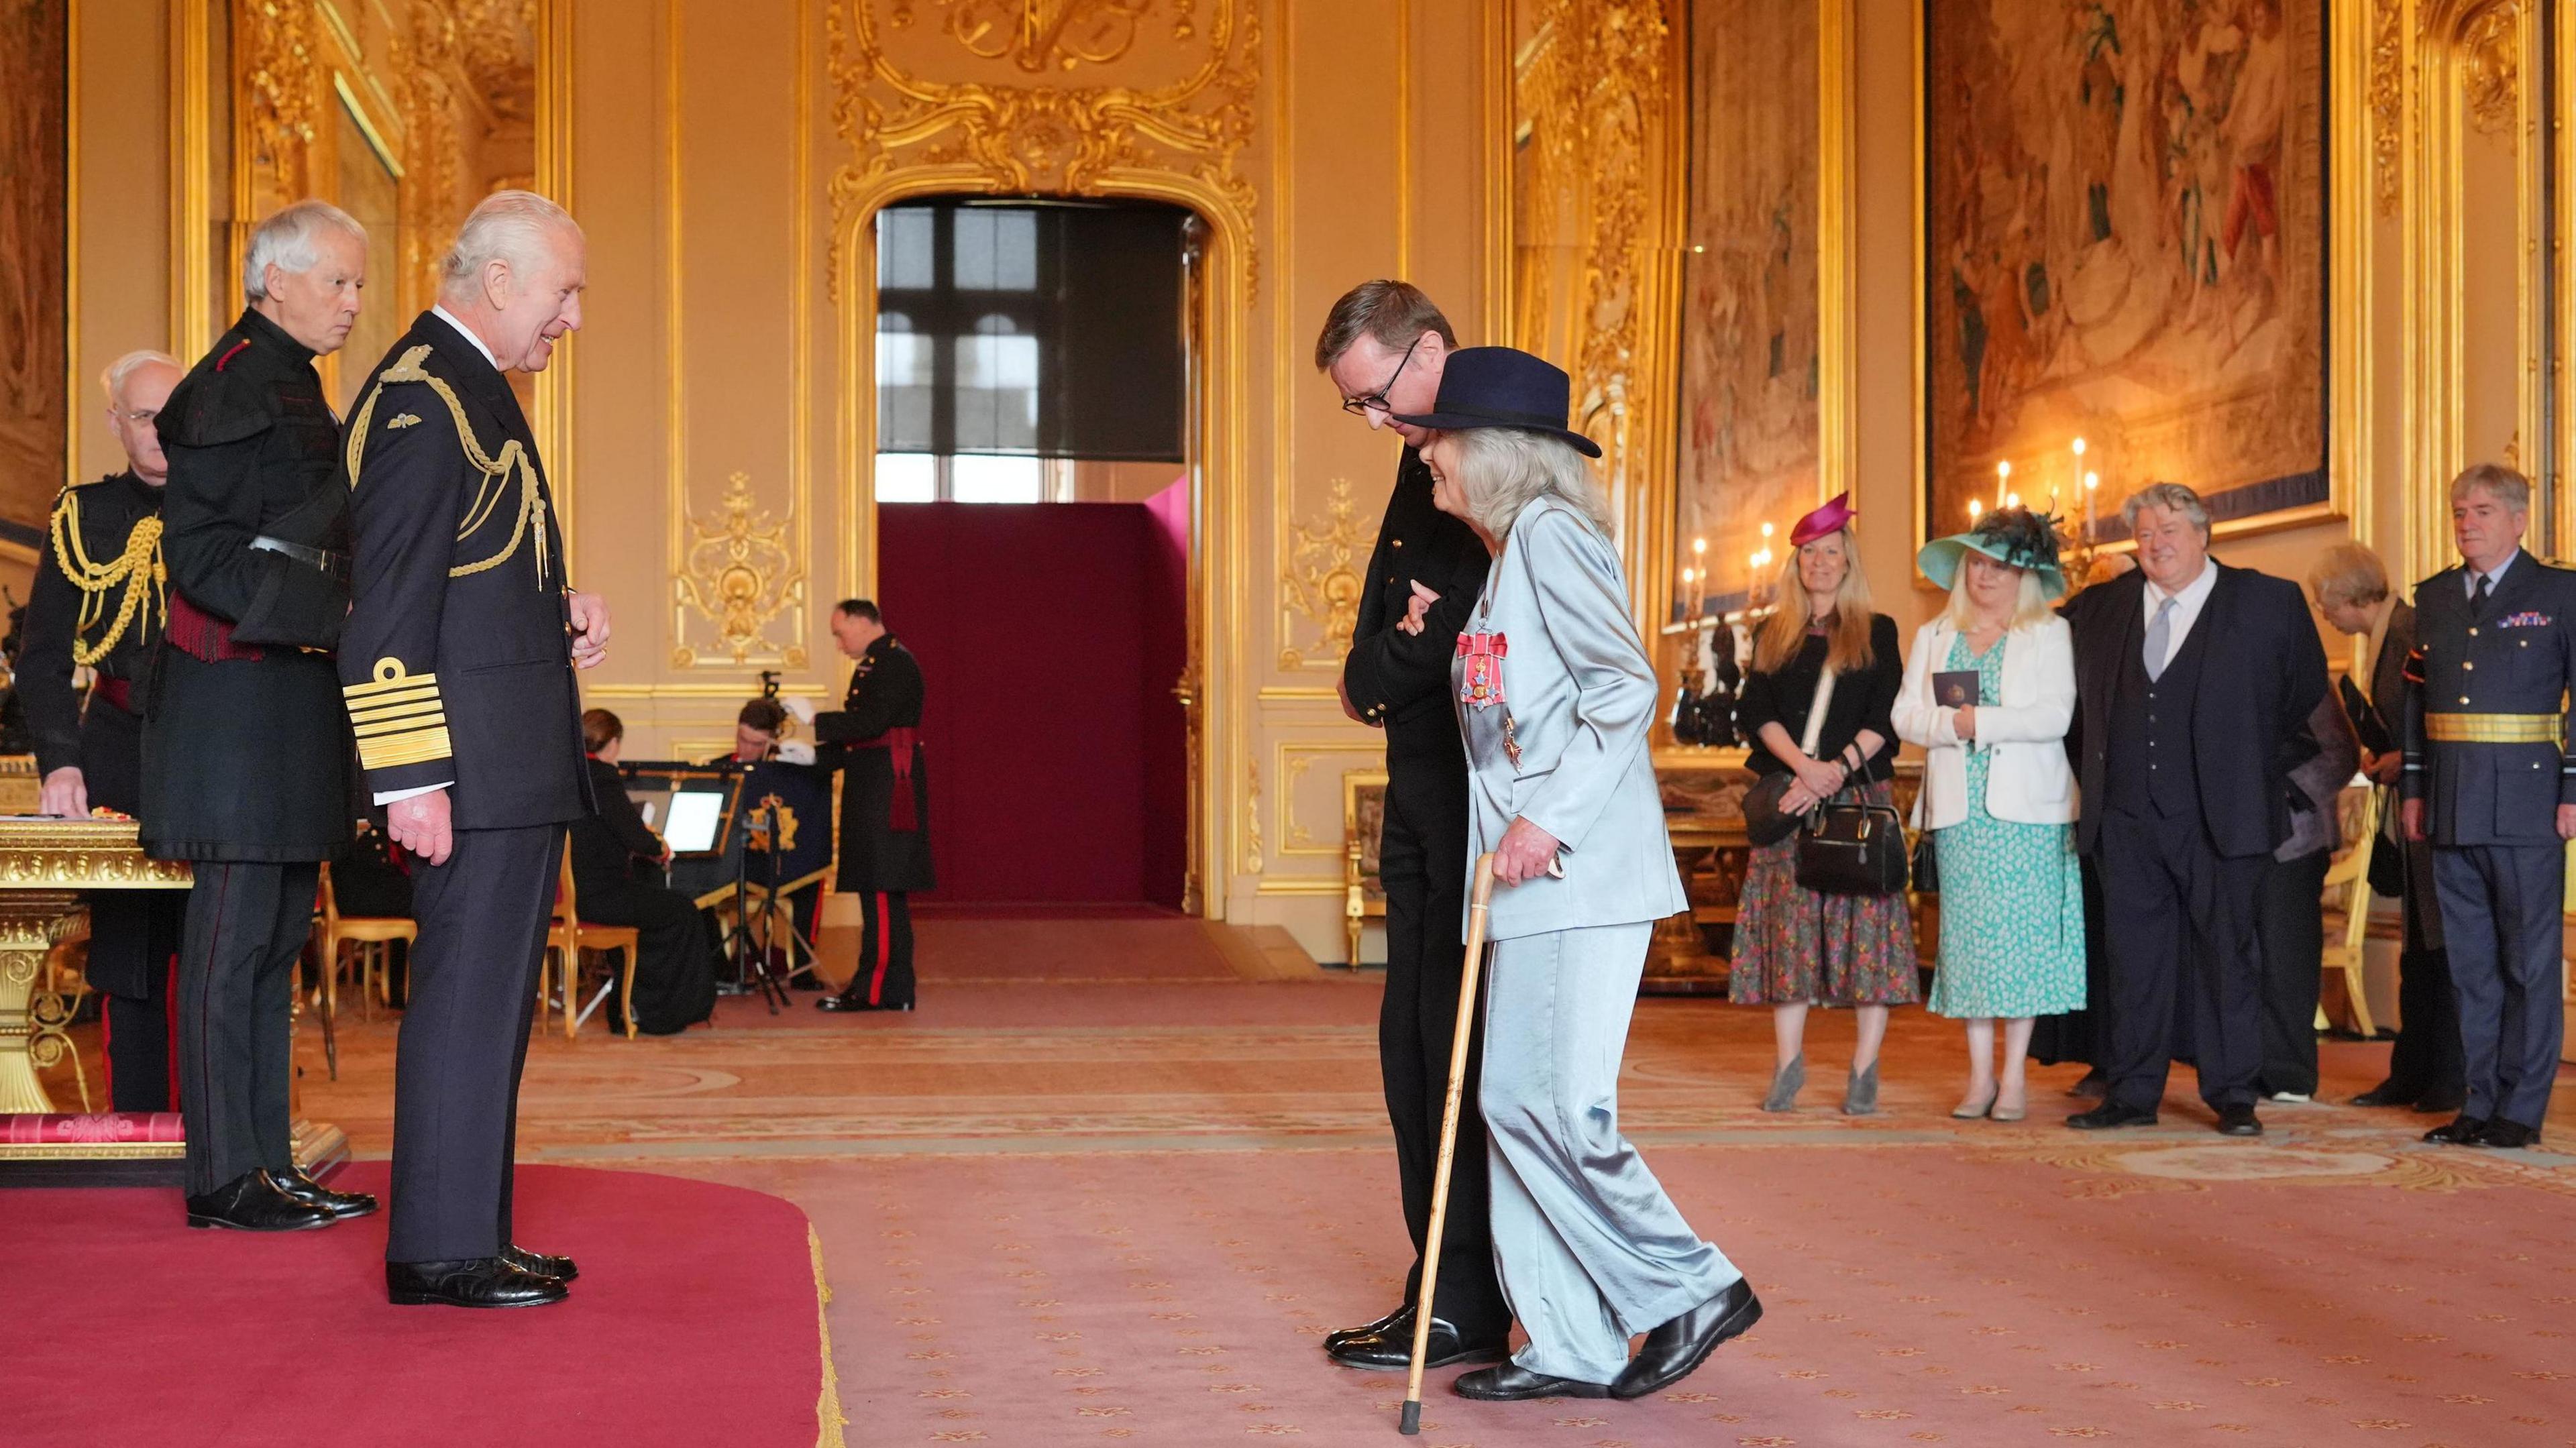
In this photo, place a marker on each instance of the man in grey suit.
(2489, 780)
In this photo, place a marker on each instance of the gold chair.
(374, 936)
(2344, 950)
(1363, 822)
(567, 936)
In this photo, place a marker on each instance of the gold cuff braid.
(398, 717)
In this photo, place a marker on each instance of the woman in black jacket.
(675, 971)
(1794, 947)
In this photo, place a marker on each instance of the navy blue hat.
(1502, 387)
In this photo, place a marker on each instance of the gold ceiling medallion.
(1187, 106)
(740, 573)
(1322, 580)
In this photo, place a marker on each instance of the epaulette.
(2413, 669)
(528, 507)
(220, 401)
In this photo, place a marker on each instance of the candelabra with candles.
(2084, 482)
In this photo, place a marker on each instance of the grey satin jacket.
(1580, 700)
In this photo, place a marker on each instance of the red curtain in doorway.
(1049, 637)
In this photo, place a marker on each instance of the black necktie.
(2478, 600)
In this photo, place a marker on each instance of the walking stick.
(1411, 1423)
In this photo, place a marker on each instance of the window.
(1014, 338)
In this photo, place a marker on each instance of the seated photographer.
(675, 979)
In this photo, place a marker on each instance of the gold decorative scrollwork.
(1067, 139)
(2387, 97)
(2491, 49)
(741, 571)
(281, 78)
(1042, 35)
(1322, 579)
(1252, 814)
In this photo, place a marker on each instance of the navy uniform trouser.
(2501, 913)
(464, 1040)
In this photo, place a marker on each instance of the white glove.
(796, 751)
(803, 709)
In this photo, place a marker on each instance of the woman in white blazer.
(1989, 691)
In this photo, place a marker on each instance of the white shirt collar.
(2494, 576)
(466, 332)
(2191, 595)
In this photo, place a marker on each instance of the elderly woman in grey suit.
(1556, 698)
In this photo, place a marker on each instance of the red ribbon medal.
(1482, 685)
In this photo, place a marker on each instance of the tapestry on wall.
(2125, 244)
(1749, 444)
(33, 405)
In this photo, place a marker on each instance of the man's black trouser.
(1422, 862)
(247, 924)
(2186, 962)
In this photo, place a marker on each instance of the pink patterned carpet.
(1121, 1211)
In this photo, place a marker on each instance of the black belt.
(334, 564)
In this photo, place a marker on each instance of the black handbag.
(1927, 865)
(1852, 847)
(1765, 822)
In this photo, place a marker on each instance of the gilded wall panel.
(35, 387)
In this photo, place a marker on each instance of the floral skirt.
(1794, 946)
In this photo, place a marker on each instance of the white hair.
(113, 379)
(1503, 469)
(286, 239)
(2173, 498)
(507, 226)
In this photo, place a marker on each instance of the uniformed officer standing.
(99, 601)
(875, 738)
(458, 666)
(2488, 777)
(245, 754)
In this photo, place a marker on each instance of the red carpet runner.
(694, 1323)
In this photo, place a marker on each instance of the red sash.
(201, 635)
(903, 816)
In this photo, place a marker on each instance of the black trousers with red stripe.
(884, 977)
(247, 924)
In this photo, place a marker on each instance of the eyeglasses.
(1367, 402)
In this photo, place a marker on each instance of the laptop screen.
(696, 814)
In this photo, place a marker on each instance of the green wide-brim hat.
(2016, 537)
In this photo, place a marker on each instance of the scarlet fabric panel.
(1049, 637)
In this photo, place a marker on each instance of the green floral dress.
(2012, 898)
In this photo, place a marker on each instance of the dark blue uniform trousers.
(482, 921)
(2500, 919)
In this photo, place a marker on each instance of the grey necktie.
(2159, 640)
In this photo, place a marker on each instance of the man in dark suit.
(2490, 780)
(97, 602)
(2192, 681)
(875, 739)
(457, 666)
(1384, 348)
(244, 749)
(2350, 585)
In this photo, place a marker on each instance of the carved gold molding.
(740, 570)
(2491, 66)
(1322, 582)
(1042, 35)
(279, 73)
(2387, 97)
(1063, 139)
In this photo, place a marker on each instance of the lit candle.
(2091, 481)
(2003, 477)
(1975, 508)
(2012, 500)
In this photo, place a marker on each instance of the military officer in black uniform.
(100, 596)
(875, 739)
(2490, 780)
(1384, 348)
(458, 665)
(244, 751)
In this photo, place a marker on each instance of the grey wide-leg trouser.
(1590, 1250)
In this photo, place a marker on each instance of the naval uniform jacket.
(886, 695)
(245, 751)
(2486, 717)
(457, 661)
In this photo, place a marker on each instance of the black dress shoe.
(1512, 1383)
(2388, 1093)
(1671, 1351)
(252, 1203)
(1400, 1320)
(474, 1282)
(2458, 1131)
(311, 1193)
(2110, 1114)
(540, 1264)
(2506, 1135)
(1392, 1351)
(851, 1001)
(2238, 1121)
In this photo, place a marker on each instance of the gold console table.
(47, 866)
